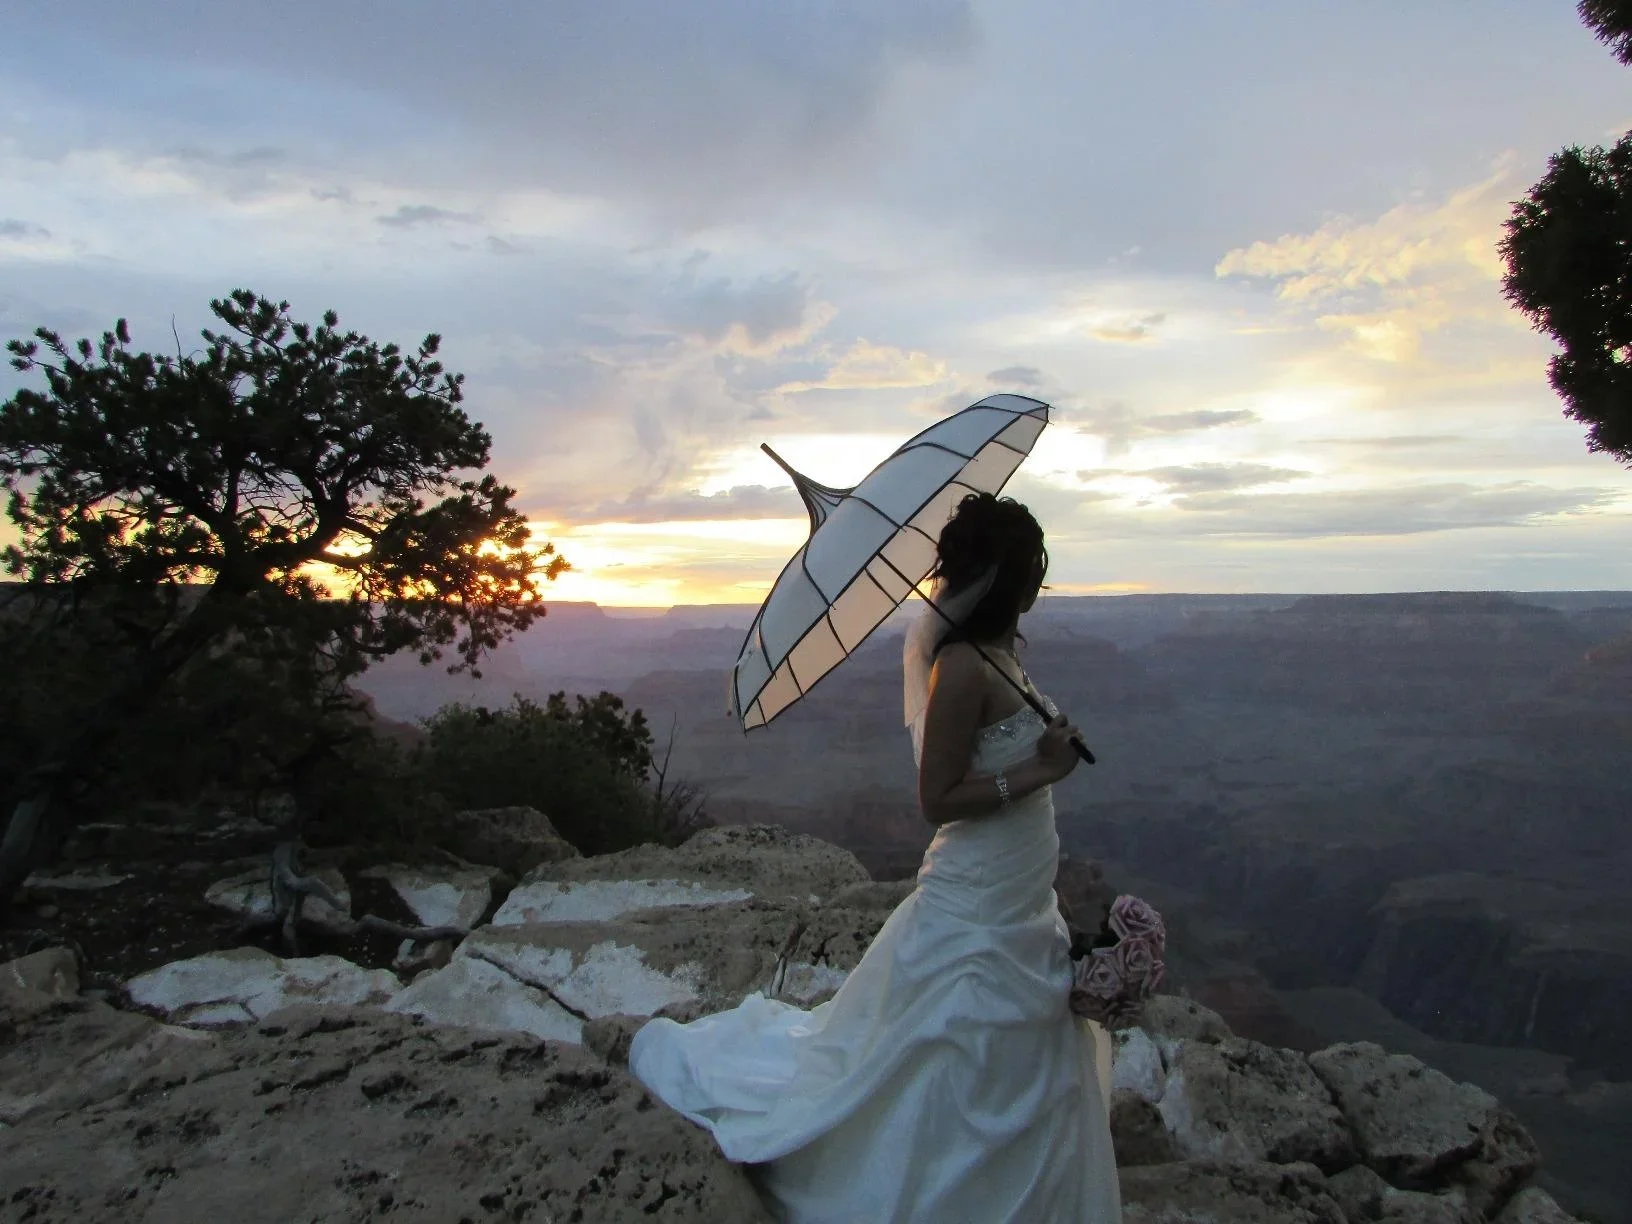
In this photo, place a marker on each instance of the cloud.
(741, 502)
(1129, 331)
(1219, 477)
(408, 216)
(761, 315)
(1405, 510)
(665, 102)
(1395, 442)
(874, 367)
(1017, 375)
(1383, 286)
(1120, 426)
(1188, 422)
(13, 229)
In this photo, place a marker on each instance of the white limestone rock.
(1137, 1065)
(605, 900)
(247, 984)
(440, 896)
(249, 893)
(471, 993)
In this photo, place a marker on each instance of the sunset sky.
(1246, 247)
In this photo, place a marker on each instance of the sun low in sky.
(1247, 251)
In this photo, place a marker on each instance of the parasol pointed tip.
(782, 463)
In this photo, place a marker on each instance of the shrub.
(584, 767)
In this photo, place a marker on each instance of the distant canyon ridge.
(1415, 807)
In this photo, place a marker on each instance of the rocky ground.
(483, 1078)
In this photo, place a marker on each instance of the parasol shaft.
(1030, 698)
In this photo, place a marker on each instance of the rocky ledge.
(486, 1081)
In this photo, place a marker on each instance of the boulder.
(610, 1037)
(883, 895)
(764, 861)
(73, 881)
(513, 839)
(470, 993)
(89, 1053)
(249, 894)
(605, 900)
(1212, 1193)
(1138, 1133)
(414, 957)
(1137, 1064)
(1365, 1196)
(246, 984)
(1534, 1206)
(329, 1116)
(593, 970)
(1420, 1128)
(45, 976)
(1240, 1101)
(806, 985)
(680, 962)
(1170, 1019)
(440, 896)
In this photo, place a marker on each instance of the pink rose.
(1158, 972)
(1131, 916)
(1135, 959)
(1099, 976)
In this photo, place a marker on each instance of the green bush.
(585, 768)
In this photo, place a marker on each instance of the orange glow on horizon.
(659, 565)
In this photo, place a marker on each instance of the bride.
(947, 1081)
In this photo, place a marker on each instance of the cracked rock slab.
(471, 993)
(590, 971)
(330, 1116)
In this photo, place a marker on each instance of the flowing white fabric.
(947, 1081)
(924, 635)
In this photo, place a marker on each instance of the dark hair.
(985, 531)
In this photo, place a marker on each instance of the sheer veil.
(925, 634)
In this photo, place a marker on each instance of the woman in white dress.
(947, 1082)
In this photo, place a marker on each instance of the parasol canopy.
(870, 547)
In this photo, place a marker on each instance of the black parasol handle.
(1031, 700)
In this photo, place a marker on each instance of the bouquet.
(1113, 978)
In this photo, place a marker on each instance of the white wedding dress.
(947, 1082)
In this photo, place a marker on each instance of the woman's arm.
(957, 705)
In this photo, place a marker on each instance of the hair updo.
(985, 531)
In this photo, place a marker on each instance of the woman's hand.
(1054, 750)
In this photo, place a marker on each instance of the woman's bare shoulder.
(959, 660)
